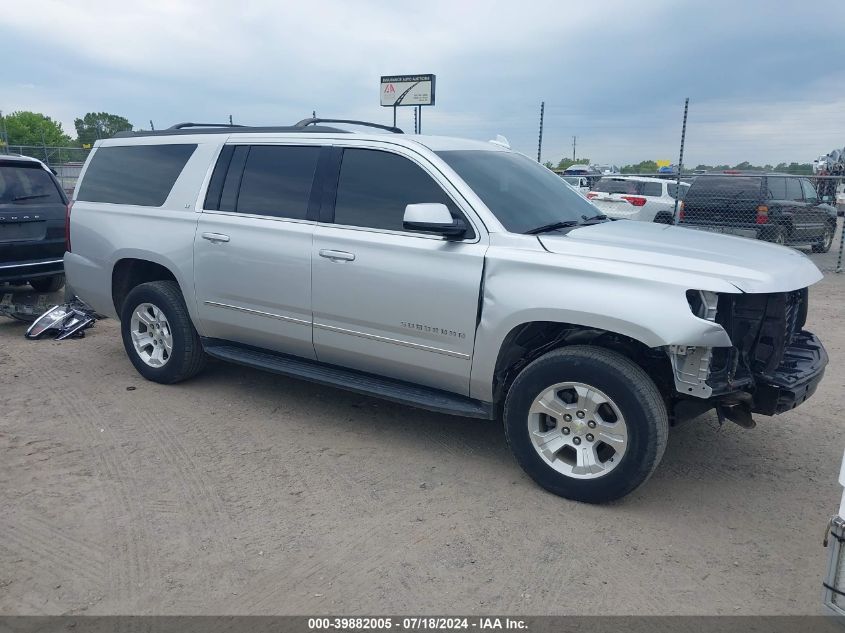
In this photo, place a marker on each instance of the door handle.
(215, 237)
(336, 256)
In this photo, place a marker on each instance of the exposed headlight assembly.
(703, 303)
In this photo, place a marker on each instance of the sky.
(765, 79)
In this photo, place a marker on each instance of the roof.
(637, 178)
(20, 158)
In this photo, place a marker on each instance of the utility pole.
(230, 119)
(540, 141)
(573, 148)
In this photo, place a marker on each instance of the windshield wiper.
(601, 217)
(31, 197)
(554, 226)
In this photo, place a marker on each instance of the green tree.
(566, 163)
(643, 167)
(34, 128)
(549, 164)
(96, 125)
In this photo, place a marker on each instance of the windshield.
(522, 194)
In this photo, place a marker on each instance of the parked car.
(579, 183)
(447, 274)
(774, 207)
(833, 596)
(587, 171)
(32, 224)
(636, 198)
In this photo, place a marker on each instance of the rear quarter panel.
(103, 234)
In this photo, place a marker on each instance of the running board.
(350, 380)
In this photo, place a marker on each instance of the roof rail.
(182, 126)
(313, 121)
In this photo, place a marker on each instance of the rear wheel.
(825, 242)
(158, 335)
(775, 235)
(586, 423)
(48, 284)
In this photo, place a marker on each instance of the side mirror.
(432, 217)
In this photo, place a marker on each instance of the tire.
(826, 241)
(775, 235)
(48, 284)
(633, 399)
(167, 321)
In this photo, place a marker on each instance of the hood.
(749, 265)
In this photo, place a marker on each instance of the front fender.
(654, 312)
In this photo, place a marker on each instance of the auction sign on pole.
(407, 90)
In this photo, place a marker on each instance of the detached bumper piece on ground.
(69, 320)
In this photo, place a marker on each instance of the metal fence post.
(680, 163)
(841, 247)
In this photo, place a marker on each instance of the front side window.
(521, 193)
(375, 187)
(134, 174)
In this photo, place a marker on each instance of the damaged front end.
(773, 366)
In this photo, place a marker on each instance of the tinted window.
(652, 189)
(137, 174)
(375, 187)
(628, 187)
(672, 188)
(793, 190)
(777, 188)
(27, 185)
(810, 194)
(277, 180)
(521, 193)
(733, 186)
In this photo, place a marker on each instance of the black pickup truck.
(775, 207)
(33, 208)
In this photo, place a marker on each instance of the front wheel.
(158, 335)
(586, 423)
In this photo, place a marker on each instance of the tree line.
(650, 167)
(39, 130)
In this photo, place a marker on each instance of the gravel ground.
(241, 492)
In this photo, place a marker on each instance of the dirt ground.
(241, 492)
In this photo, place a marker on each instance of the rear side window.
(776, 187)
(277, 180)
(27, 185)
(142, 175)
(734, 186)
(793, 190)
(375, 187)
(672, 188)
(628, 187)
(651, 189)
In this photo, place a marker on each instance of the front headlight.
(703, 303)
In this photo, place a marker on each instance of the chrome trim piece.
(52, 261)
(258, 312)
(384, 339)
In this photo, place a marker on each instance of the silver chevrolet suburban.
(452, 275)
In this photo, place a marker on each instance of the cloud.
(613, 73)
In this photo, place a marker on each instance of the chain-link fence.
(795, 210)
(66, 162)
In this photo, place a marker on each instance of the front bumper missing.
(795, 379)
